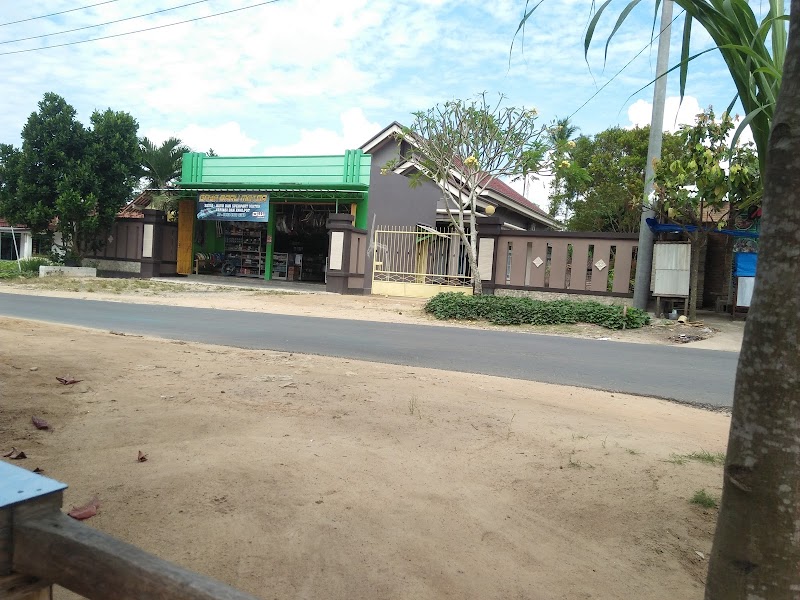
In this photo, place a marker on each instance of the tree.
(70, 177)
(696, 189)
(565, 172)
(757, 541)
(161, 165)
(462, 146)
(601, 187)
(757, 544)
(753, 50)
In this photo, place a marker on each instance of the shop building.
(266, 217)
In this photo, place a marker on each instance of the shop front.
(266, 217)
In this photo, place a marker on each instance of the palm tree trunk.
(756, 551)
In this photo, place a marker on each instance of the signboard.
(233, 206)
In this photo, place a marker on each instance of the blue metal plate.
(18, 485)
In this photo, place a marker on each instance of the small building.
(16, 241)
(266, 216)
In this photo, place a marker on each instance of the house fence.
(535, 262)
(144, 247)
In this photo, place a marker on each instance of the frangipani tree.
(463, 146)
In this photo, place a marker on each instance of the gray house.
(393, 203)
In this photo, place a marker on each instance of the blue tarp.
(744, 264)
(657, 227)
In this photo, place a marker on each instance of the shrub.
(27, 267)
(508, 310)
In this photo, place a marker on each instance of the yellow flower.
(471, 162)
(570, 144)
(563, 164)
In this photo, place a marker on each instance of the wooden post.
(40, 546)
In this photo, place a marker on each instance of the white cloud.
(226, 139)
(675, 112)
(640, 113)
(356, 129)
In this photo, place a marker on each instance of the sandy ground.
(294, 476)
(720, 332)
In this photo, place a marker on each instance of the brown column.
(490, 228)
(340, 227)
(154, 221)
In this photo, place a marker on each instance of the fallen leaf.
(142, 456)
(40, 423)
(68, 380)
(15, 454)
(86, 511)
(38, 470)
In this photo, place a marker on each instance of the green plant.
(711, 458)
(412, 405)
(28, 267)
(704, 499)
(507, 310)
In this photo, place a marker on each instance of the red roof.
(133, 210)
(4, 223)
(501, 187)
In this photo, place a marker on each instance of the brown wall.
(570, 262)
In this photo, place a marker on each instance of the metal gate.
(418, 262)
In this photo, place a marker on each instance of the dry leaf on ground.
(142, 456)
(15, 454)
(40, 423)
(86, 511)
(68, 380)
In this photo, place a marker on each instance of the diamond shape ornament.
(600, 264)
(538, 262)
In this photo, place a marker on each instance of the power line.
(163, 10)
(63, 12)
(627, 64)
(116, 35)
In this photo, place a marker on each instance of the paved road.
(678, 373)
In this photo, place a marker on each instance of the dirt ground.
(718, 332)
(292, 476)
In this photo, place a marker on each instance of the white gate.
(418, 262)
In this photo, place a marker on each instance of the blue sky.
(319, 76)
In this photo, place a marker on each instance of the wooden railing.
(40, 546)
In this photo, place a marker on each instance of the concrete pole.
(644, 260)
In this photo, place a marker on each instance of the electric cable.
(116, 35)
(155, 12)
(63, 12)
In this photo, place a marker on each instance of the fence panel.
(565, 262)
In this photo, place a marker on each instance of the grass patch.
(710, 458)
(509, 310)
(704, 499)
(25, 269)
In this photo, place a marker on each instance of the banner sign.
(233, 206)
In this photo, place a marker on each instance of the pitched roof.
(133, 210)
(496, 185)
(501, 187)
(4, 223)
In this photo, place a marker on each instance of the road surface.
(703, 377)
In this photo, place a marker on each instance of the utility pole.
(644, 256)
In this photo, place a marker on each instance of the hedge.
(509, 310)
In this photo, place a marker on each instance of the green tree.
(754, 51)
(600, 179)
(462, 146)
(696, 189)
(68, 176)
(53, 142)
(161, 165)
